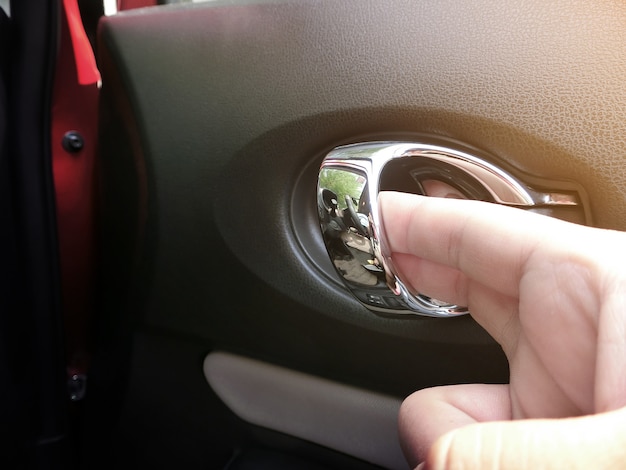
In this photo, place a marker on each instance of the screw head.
(73, 142)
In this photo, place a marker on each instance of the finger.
(428, 414)
(538, 392)
(597, 441)
(495, 312)
(487, 242)
(432, 279)
(610, 380)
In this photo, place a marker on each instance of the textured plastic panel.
(237, 104)
(347, 419)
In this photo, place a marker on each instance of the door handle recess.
(350, 179)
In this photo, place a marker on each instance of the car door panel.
(215, 118)
(344, 418)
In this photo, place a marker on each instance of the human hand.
(553, 295)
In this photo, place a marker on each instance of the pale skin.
(553, 295)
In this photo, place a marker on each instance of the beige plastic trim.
(347, 419)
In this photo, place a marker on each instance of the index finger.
(488, 243)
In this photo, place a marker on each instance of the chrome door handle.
(350, 179)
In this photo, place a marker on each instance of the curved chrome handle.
(349, 181)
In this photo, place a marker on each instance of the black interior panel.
(215, 119)
(214, 171)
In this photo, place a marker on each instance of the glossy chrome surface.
(350, 179)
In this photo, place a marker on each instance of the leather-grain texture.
(235, 100)
(540, 84)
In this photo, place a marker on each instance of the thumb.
(596, 441)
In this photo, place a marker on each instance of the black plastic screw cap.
(73, 142)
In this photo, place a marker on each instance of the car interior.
(213, 264)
